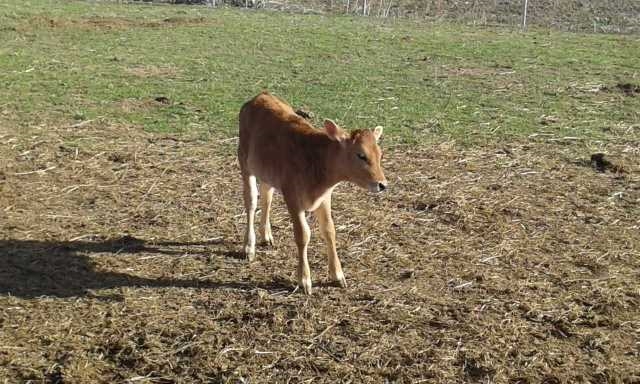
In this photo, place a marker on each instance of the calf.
(285, 152)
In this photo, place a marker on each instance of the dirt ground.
(119, 263)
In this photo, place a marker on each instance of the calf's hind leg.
(266, 196)
(250, 194)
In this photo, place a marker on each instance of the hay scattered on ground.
(118, 263)
(153, 71)
(108, 23)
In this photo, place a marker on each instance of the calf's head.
(360, 155)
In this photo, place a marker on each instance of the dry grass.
(574, 15)
(153, 71)
(508, 264)
(106, 23)
(134, 105)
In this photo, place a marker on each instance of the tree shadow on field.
(31, 268)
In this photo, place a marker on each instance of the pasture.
(504, 251)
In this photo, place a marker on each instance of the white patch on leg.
(250, 236)
(253, 185)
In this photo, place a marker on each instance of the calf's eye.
(362, 156)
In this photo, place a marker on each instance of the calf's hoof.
(268, 242)
(250, 253)
(339, 280)
(305, 284)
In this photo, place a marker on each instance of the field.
(608, 16)
(506, 250)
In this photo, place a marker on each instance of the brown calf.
(285, 152)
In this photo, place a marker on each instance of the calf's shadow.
(31, 268)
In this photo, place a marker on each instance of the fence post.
(524, 15)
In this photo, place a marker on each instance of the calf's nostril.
(382, 187)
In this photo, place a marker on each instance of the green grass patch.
(64, 62)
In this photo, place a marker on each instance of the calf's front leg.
(328, 231)
(302, 234)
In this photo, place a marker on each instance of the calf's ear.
(377, 132)
(333, 130)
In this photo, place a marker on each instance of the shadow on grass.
(31, 268)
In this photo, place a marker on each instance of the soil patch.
(626, 89)
(506, 263)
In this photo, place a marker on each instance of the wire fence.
(598, 16)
